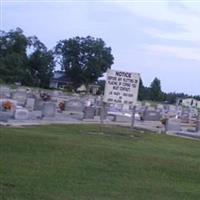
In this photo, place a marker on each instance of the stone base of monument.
(30, 103)
(74, 114)
(173, 125)
(152, 116)
(21, 114)
(48, 109)
(119, 118)
(36, 114)
(5, 116)
(89, 113)
(122, 118)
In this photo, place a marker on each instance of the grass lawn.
(65, 162)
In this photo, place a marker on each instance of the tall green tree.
(13, 57)
(155, 90)
(84, 59)
(41, 63)
(142, 91)
(24, 59)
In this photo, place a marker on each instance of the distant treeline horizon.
(84, 60)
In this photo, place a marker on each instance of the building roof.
(60, 76)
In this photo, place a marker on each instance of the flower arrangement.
(45, 97)
(7, 105)
(163, 120)
(62, 105)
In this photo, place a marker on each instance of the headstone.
(20, 96)
(160, 106)
(38, 103)
(185, 115)
(57, 93)
(166, 108)
(147, 104)
(172, 108)
(151, 116)
(5, 116)
(126, 108)
(48, 109)
(30, 94)
(179, 111)
(36, 114)
(74, 106)
(138, 104)
(5, 92)
(89, 113)
(122, 118)
(30, 103)
(151, 108)
(116, 107)
(21, 114)
(193, 112)
(171, 113)
(173, 124)
(97, 111)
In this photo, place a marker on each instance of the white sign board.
(121, 87)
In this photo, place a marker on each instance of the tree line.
(27, 60)
(155, 93)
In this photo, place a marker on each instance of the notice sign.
(121, 87)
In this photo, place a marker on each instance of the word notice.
(121, 87)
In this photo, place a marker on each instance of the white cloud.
(179, 52)
(186, 15)
(188, 18)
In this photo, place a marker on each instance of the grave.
(173, 124)
(74, 105)
(89, 113)
(122, 118)
(160, 107)
(151, 116)
(5, 92)
(185, 115)
(48, 109)
(21, 114)
(20, 96)
(30, 104)
(36, 114)
(151, 108)
(5, 116)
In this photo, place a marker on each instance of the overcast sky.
(154, 38)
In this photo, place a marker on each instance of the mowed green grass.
(64, 162)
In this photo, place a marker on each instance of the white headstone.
(20, 96)
(30, 103)
(21, 114)
(173, 124)
(48, 109)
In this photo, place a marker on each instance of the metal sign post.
(133, 117)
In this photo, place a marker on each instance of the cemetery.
(26, 106)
